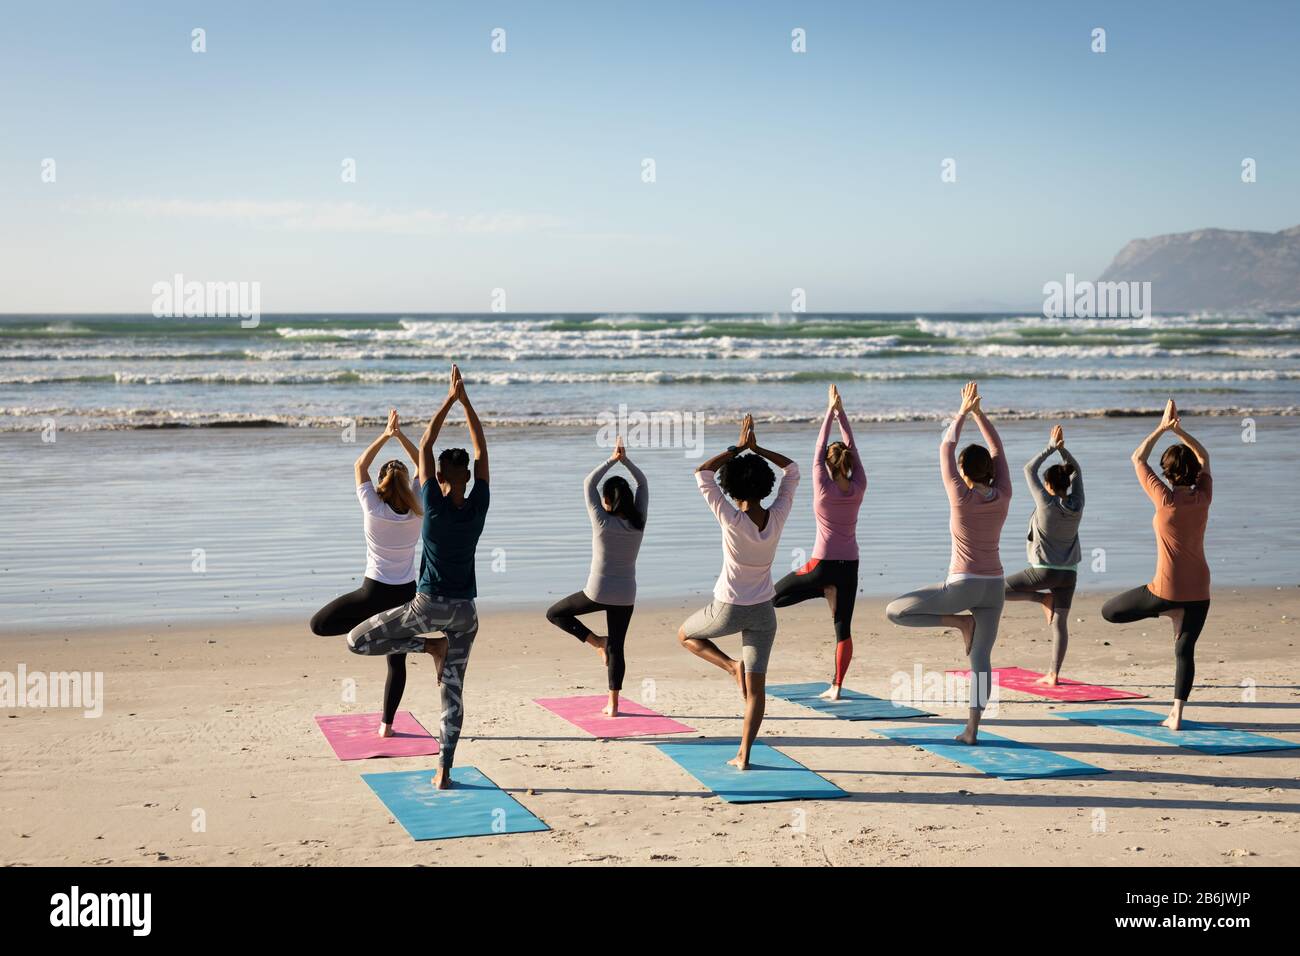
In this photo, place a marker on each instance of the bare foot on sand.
(832, 693)
(442, 780)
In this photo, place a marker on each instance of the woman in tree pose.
(1180, 589)
(391, 517)
(617, 525)
(839, 483)
(742, 596)
(971, 598)
(1052, 545)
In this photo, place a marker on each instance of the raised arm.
(859, 477)
(591, 490)
(1001, 473)
(722, 457)
(642, 496)
(1032, 478)
(1076, 482)
(411, 450)
(1143, 450)
(775, 457)
(1197, 448)
(1167, 422)
(952, 480)
(784, 500)
(821, 474)
(361, 468)
(428, 472)
(834, 412)
(1156, 489)
(475, 432)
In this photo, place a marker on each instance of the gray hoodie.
(1053, 540)
(614, 543)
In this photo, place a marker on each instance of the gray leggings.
(983, 597)
(401, 630)
(756, 624)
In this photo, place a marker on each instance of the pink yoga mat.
(356, 736)
(634, 720)
(1019, 679)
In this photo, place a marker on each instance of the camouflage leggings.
(401, 630)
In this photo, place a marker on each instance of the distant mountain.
(1215, 270)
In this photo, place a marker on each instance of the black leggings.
(812, 580)
(344, 613)
(564, 615)
(1140, 604)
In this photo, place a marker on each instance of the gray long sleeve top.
(1053, 540)
(615, 544)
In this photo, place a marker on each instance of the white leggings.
(983, 597)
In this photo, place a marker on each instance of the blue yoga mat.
(474, 806)
(1203, 738)
(771, 775)
(852, 705)
(993, 755)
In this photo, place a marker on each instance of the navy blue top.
(450, 536)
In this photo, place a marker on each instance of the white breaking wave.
(32, 418)
(509, 378)
(955, 329)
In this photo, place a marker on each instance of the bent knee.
(322, 626)
(895, 611)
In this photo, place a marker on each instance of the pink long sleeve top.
(836, 511)
(975, 515)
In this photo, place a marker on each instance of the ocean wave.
(32, 418)
(651, 378)
(718, 350)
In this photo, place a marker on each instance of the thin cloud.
(323, 216)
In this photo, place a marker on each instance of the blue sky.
(522, 170)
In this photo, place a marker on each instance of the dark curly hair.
(1180, 465)
(747, 478)
(976, 464)
(452, 462)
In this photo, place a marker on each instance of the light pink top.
(835, 511)
(747, 553)
(975, 515)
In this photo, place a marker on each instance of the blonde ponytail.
(839, 459)
(394, 489)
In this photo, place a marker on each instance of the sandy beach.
(220, 721)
